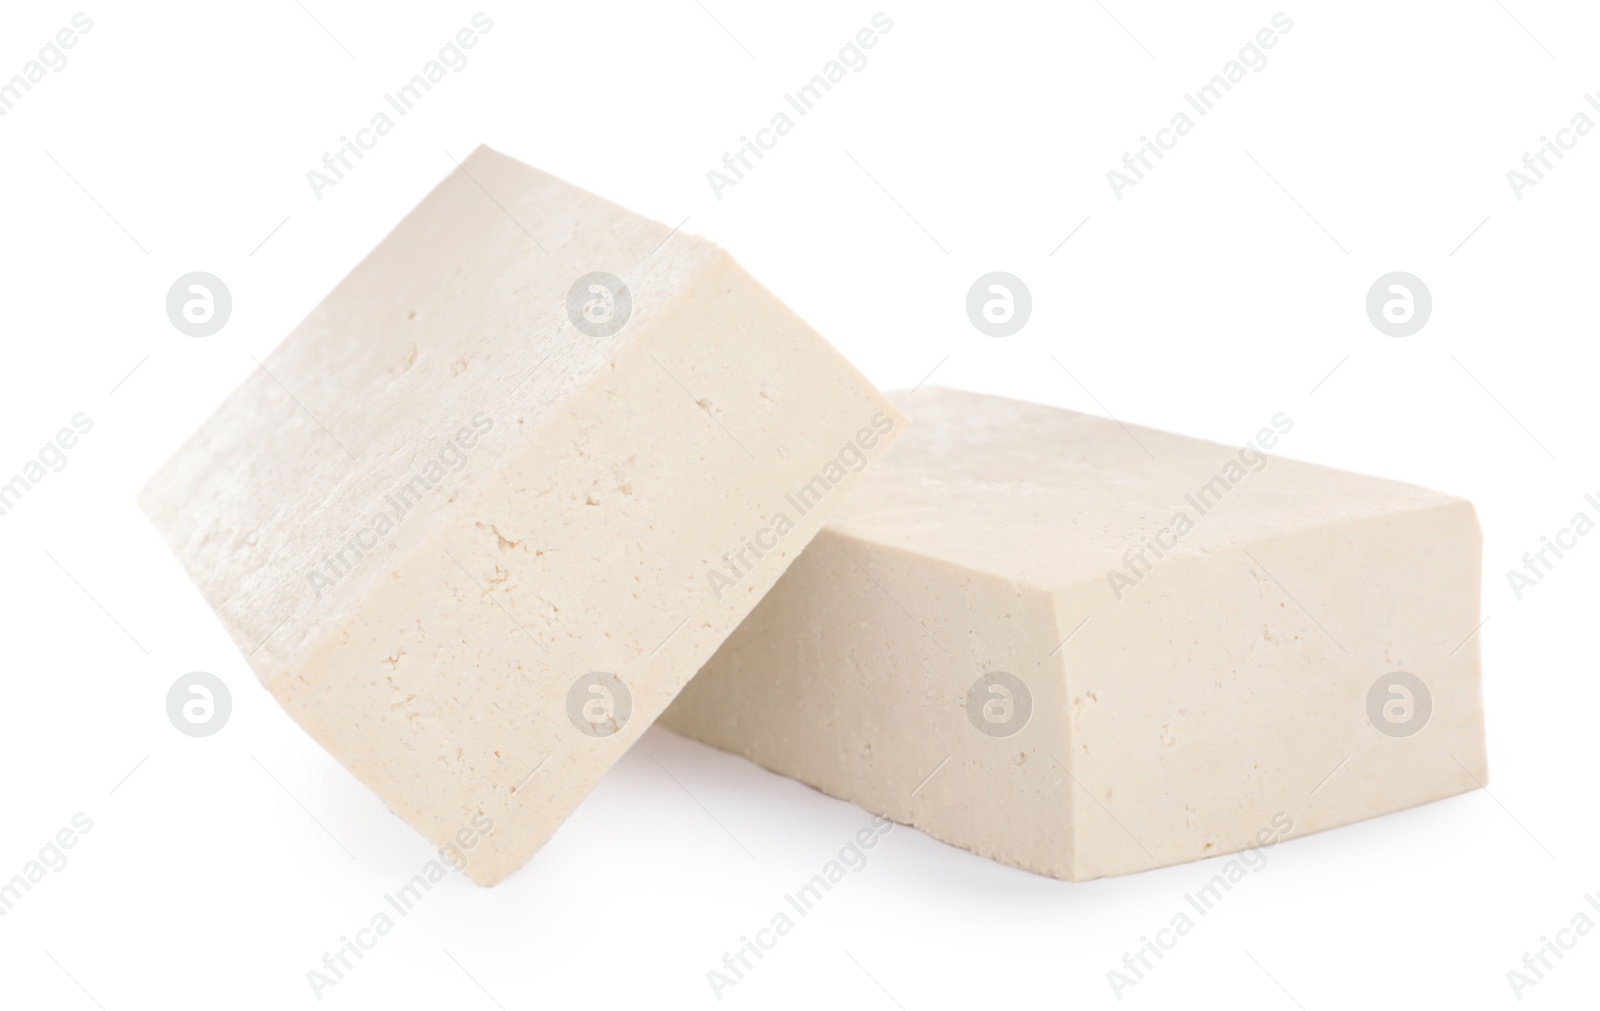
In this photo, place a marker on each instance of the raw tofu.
(474, 550)
(1005, 639)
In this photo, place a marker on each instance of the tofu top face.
(447, 344)
(1052, 498)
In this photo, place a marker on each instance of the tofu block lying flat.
(474, 547)
(1084, 649)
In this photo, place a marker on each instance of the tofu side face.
(1222, 705)
(858, 674)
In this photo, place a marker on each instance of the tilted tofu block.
(482, 514)
(1084, 649)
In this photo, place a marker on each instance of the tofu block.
(1086, 650)
(486, 510)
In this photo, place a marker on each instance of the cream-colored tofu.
(479, 517)
(1085, 650)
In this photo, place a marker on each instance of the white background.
(978, 138)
